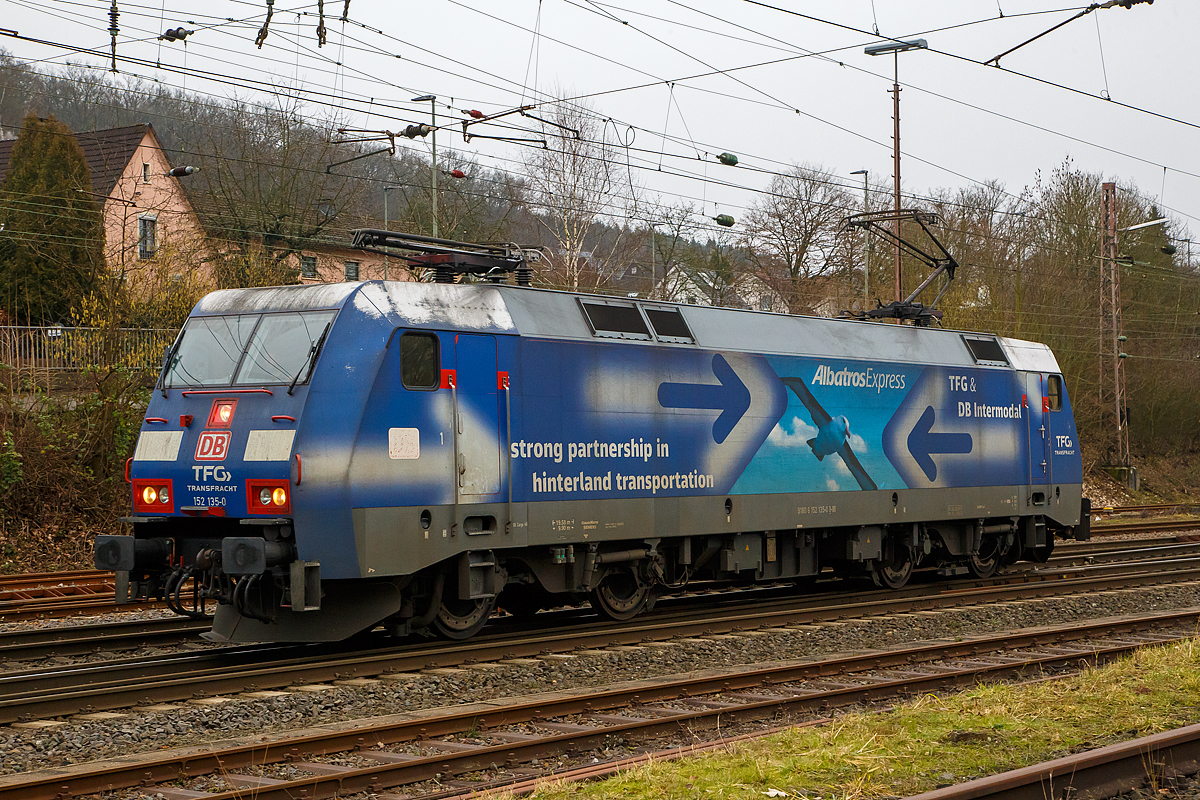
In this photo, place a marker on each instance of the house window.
(147, 235)
(145, 172)
(351, 270)
(308, 266)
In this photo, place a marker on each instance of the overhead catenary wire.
(965, 177)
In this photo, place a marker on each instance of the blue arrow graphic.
(730, 396)
(923, 443)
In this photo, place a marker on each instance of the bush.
(62, 465)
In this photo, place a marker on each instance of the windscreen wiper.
(167, 358)
(312, 356)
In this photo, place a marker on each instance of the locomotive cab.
(213, 473)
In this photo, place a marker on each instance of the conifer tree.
(52, 234)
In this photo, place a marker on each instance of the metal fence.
(62, 348)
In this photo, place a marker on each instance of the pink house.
(146, 212)
(152, 229)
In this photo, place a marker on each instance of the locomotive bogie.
(417, 456)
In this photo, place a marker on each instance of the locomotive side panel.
(443, 455)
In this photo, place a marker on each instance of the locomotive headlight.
(164, 494)
(149, 495)
(264, 496)
(279, 496)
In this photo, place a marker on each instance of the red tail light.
(268, 497)
(151, 496)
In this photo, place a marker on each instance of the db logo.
(213, 445)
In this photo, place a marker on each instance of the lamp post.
(432, 99)
(386, 189)
(867, 235)
(896, 48)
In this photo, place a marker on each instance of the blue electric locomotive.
(317, 460)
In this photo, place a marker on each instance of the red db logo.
(213, 445)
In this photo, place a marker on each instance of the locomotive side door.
(478, 414)
(1038, 426)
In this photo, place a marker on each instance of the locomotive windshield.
(247, 349)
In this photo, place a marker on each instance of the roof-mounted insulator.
(113, 30)
(176, 34)
(728, 159)
(262, 32)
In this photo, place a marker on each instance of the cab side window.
(1054, 392)
(420, 362)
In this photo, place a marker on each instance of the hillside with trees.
(278, 178)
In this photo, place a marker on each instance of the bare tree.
(265, 190)
(793, 235)
(578, 183)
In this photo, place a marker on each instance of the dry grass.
(935, 739)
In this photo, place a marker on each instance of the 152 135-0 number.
(208, 501)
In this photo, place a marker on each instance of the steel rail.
(33, 579)
(75, 640)
(480, 717)
(120, 684)
(1100, 773)
(1143, 526)
(1142, 508)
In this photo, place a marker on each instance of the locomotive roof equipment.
(908, 308)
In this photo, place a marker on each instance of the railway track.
(43, 595)
(1145, 509)
(84, 592)
(429, 754)
(113, 637)
(1104, 772)
(58, 690)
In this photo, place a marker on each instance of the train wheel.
(1015, 552)
(982, 565)
(620, 596)
(893, 573)
(462, 619)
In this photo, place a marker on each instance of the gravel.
(25, 749)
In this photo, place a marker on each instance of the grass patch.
(935, 739)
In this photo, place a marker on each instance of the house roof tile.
(108, 153)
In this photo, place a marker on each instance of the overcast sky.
(762, 94)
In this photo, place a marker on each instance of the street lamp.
(896, 47)
(386, 189)
(432, 100)
(867, 234)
